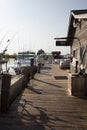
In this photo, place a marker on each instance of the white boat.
(22, 61)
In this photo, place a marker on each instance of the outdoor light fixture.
(74, 23)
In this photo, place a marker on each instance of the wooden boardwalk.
(46, 105)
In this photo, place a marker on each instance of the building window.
(81, 52)
(76, 53)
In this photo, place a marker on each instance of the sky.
(31, 25)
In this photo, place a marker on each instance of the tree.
(40, 52)
(56, 54)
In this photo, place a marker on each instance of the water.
(9, 66)
(11, 61)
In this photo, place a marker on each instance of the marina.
(14, 77)
(43, 86)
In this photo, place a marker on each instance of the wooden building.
(77, 37)
(77, 40)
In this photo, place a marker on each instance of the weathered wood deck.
(46, 105)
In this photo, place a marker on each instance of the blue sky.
(36, 23)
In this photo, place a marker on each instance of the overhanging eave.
(62, 41)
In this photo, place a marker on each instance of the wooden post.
(76, 67)
(39, 67)
(5, 92)
(32, 68)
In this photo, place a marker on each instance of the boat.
(23, 62)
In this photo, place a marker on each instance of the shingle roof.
(75, 15)
(79, 14)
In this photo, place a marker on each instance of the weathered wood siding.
(81, 34)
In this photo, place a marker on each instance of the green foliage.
(7, 56)
(40, 52)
